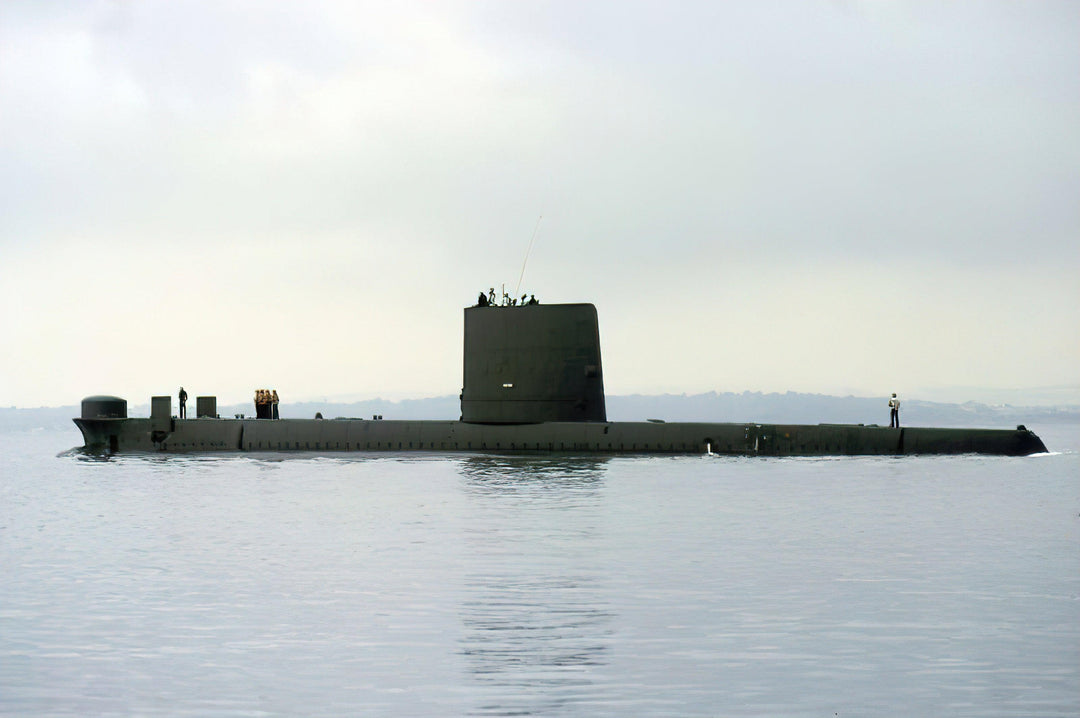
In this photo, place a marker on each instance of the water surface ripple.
(421, 585)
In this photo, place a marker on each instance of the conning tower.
(533, 363)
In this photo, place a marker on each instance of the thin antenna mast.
(531, 240)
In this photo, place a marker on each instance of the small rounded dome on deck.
(104, 407)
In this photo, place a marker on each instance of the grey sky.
(836, 196)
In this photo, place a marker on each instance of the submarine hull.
(114, 435)
(533, 381)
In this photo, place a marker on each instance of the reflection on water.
(485, 471)
(537, 624)
(539, 637)
(416, 585)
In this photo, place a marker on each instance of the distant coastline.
(755, 407)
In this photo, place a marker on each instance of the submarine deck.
(737, 439)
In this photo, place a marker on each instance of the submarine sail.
(532, 364)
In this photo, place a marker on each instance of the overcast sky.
(836, 197)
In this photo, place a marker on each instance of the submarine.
(533, 382)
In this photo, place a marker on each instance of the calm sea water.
(424, 585)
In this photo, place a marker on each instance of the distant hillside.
(791, 408)
(794, 408)
(55, 417)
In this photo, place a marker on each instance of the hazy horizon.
(820, 197)
(1067, 396)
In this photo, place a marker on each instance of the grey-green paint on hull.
(254, 435)
(532, 381)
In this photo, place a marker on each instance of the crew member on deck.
(274, 403)
(263, 410)
(183, 403)
(894, 412)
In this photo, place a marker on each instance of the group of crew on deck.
(266, 404)
(488, 300)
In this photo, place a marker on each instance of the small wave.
(80, 453)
